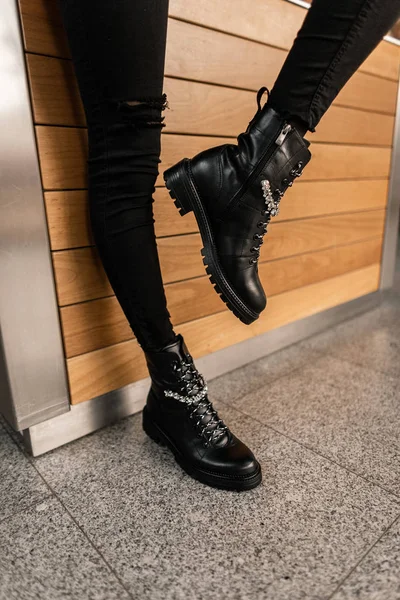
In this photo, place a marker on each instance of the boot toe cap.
(234, 459)
(244, 279)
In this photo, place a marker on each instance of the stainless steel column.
(389, 250)
(33, 380)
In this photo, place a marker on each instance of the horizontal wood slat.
(54, 90)
(80, 277)
(369, 93)
(276, 24)
(191, 52)
(195, 108)
(69, 226)
(62, 153)
(42, 27)
(350, 126)
(88, 326)
(101, 371)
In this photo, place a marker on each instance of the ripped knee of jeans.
(143, 112)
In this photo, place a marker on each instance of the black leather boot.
(234, 190)
(179, 415)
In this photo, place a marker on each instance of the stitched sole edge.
(223, 482)
(183, 191)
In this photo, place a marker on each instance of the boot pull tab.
(260, 94)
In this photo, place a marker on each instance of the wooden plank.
(101, 371)
(79, 276)
(69, 227)
(317, 198)
(69, 224)
(195, 108)
(68, 219)
(88, 326)
(180, 256)
(383, 61)
(276, 24)
(54, 90)
(42, 27)
(62, 157)
(62, 153)
(191, 52)
(332, 161)
(352, 126)
(191, 55)
(369, 93)
(327, 163)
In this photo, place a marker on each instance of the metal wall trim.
(389, 250)
(104, 410)
(33, 378)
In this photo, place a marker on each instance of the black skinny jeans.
(118, 51)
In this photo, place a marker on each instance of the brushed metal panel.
(389, 250)
(33, 380)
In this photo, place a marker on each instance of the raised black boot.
(179, 415)
(234, 190)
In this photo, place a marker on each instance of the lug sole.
(238, 484)
(183, 191)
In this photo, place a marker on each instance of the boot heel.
(177, 182)
(150, 429)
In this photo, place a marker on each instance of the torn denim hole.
(143, 112)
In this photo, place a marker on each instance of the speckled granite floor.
(111, 516)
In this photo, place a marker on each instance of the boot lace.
(271, 209)
(193, 393)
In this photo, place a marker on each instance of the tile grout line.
(337, 589)
(357, 364)
(97, 550)
(56, 496)
(21, 510)
(275, 379)
(317, 453)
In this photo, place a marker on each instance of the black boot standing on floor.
(179, 415)
(234, 191)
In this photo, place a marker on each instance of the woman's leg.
(334, 40)
(118, 51)
(234, 191)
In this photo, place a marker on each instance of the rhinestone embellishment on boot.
(272, 205)
(187, 399)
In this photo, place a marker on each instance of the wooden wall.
(323, 250)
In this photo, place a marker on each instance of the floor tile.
(371, 340)
(20, 484)
(44, 555)
(378, 575)
(237, 383)
(170, 537)
(346, 412)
